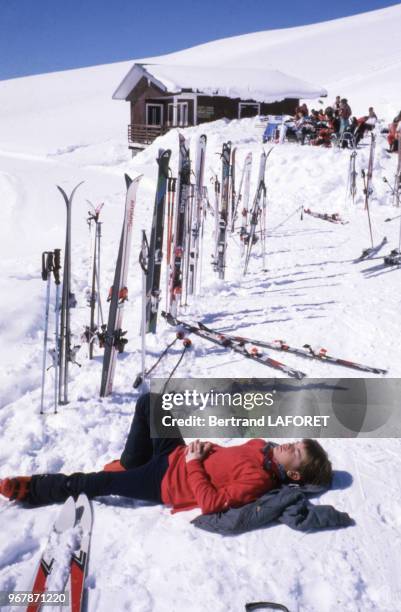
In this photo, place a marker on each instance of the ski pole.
(47, 267)
(172, 183)
(141, 377)
(187, 344)
(216, 220)
(366, 186)
(99, 318)
(201, 235)
(143, 260)
(263, 228)
(56, 274)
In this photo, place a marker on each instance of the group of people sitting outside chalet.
(335, 125)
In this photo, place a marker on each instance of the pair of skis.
(332, 218)
(196, 218)
(113, 336)
(75, 517)
(306, 351)
(66, 352)
(352, 174)
(257, 214)
(367, 182)
(94, 301)
(155, 248)
(179, 237)
(221, 340)
(242, 199)
(223, 213)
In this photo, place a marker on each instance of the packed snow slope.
(358, 57)
(142, 558)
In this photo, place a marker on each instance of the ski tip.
(63, 193)
(128, 180)
(66, 518)
(83, 512)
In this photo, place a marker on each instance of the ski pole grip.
(57, 266)
(44, 268)
(47, 264)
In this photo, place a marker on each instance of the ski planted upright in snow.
(113, 338)
(257, 208)
(352, 174)
(307, 351)
(156, 244)
(94, 301)
(66, 352)
(221, 245)
(197, 216)
(242, 184)
(254, 354)
(367, 181)
(245, 199)
(177, 260)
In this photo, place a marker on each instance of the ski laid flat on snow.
(113, 337)
(76, 515)
(79, 559)
(306, 351)
(371, 251)
(225, 342)
(332, 218)
(47, 564)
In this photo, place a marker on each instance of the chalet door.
(154, 114)
(246, 109)
(182, 114)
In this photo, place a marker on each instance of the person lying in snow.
(166, 470)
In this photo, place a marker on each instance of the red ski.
(73, 515)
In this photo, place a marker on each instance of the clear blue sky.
(47, 35)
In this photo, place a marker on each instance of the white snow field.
(60, 129)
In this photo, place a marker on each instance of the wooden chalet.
(167, 96)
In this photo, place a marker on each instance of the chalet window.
(248, 109)
(205, 112)
(154, 114)
(182, 114)
(177, 114)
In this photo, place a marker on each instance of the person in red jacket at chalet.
(166, 470)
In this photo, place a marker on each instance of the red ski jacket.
(229, 477)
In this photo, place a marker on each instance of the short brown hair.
(317, 468)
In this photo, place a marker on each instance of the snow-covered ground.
(143, 559)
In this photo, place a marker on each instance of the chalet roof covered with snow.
(261, 85)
